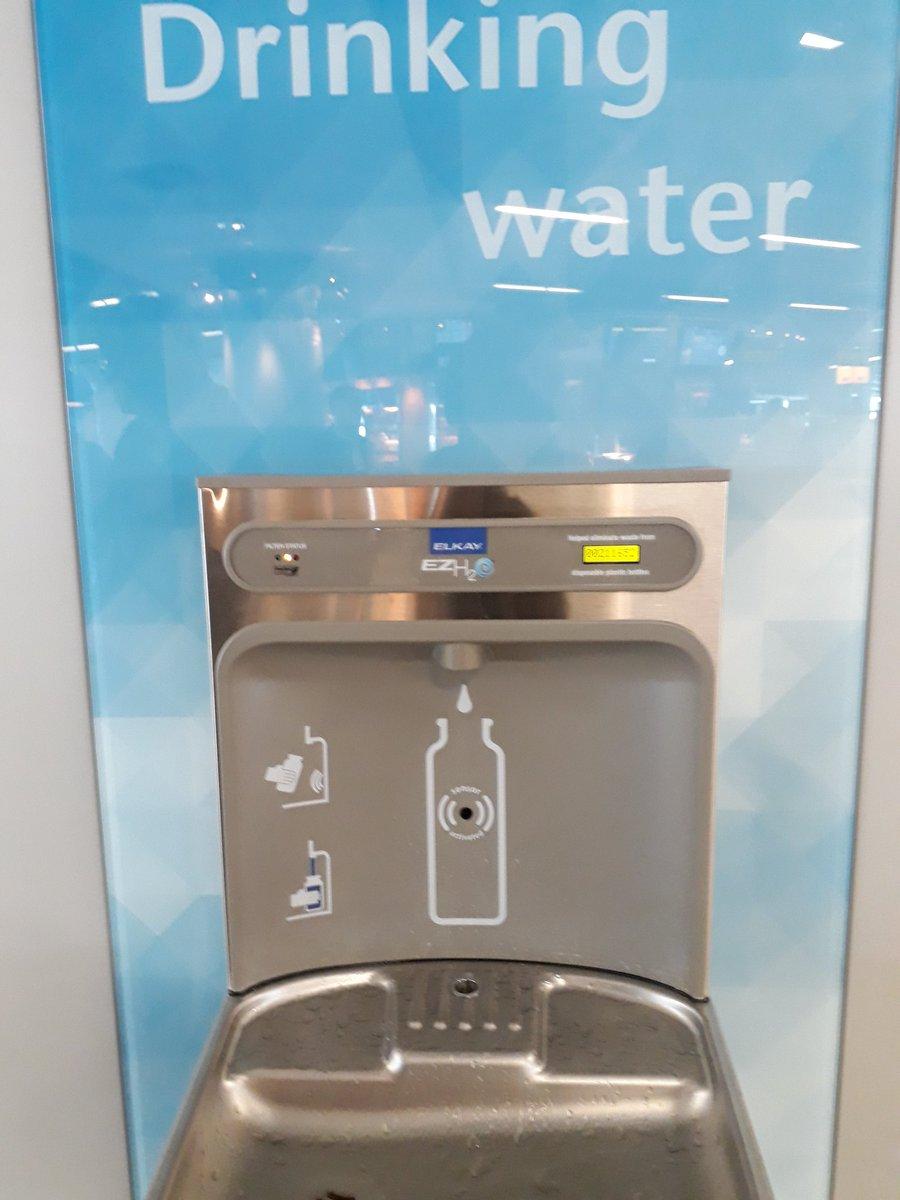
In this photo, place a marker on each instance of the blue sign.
(434, 237)
(465, 540)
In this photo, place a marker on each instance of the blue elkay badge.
(459, 541)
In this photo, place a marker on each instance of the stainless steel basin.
(475, 1080)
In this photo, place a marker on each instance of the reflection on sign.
(849, 374)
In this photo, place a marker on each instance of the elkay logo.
(459, 541)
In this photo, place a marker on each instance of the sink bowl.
(474, 1080)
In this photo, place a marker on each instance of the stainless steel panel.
(464, 1079)
(696, 499)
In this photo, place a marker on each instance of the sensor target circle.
(464, 816)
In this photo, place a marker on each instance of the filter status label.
(591, 555)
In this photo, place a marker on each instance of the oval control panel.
(500, 556)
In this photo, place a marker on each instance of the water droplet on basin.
(464, 701)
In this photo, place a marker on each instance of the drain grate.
(468, 1006)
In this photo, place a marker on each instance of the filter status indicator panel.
(610, 554)
(501, 556)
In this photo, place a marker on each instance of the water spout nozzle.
(459, 656)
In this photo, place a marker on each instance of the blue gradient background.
(352, 278)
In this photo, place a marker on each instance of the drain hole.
(466, 987)
(466, 813)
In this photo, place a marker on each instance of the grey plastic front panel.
(470, 773)
(523, 556)
(528, 840)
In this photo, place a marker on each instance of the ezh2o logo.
(460, 568)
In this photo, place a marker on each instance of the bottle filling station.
(465, 734)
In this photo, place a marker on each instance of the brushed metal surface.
(471, 1080)
(695, 498)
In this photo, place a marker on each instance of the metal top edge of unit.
(681, 475)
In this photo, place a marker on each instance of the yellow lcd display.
(610, 554)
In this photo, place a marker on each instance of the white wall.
(61, 1126)
(867, 1163)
